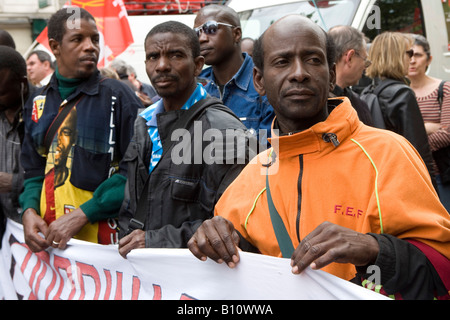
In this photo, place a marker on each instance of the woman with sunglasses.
(435, 112)
(390, 53)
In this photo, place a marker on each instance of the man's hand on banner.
(217, 239)
(34, 228)
(134, 240)
(61, 230)
(333, 243)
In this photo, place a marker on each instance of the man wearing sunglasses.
(351, 61)
(229, 76)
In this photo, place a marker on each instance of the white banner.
(87, 271)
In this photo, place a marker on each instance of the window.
(446, 7)
(398, 15)
(324, 12)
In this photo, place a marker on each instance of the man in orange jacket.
(348, 196)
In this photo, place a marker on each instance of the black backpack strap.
(441, 93)
(139, 218)
(383, 85)
(191, 114)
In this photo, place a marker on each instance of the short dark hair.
(6, 39)
(222, 12)
(57, 23)
(258, 52)
(12, 60)
(178, 28)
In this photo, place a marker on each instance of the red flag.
(42, 38)
(112, 23)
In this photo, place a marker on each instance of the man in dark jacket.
(75, 178)
(172, 188)
(14, 90)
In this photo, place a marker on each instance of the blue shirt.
(150, 113)
(240, 96)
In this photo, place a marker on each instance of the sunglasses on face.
(410, 53)
(210, 27)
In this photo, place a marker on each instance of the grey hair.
(346, 38)
(420, 40)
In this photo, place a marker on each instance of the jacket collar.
(341, 122)
(245, 74)
(89, 87)
(242, 78)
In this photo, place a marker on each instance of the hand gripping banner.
(88, 271)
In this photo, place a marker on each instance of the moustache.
(164, 77)
(297, 90)
(90, 57)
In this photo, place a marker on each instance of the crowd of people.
(258, 145)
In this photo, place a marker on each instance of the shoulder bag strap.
(284, 241)
(62, 114)
(189, 116)
(383, 85)
(137, 222)
(441, 93)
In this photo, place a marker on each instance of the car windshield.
(325, 13)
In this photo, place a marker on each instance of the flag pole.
(30, 48)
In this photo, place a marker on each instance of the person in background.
(74, 173)
(390, 53)
(109, 72)
(121, 68)
(14, 91)
(342, 196)
(247, 45)
(39, 68)
(435, 113)
(351, 61)
(365, 81)
(145, 91)
(6, 39)
(229, 76)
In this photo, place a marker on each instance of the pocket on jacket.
(185, 190)
(89, 169)
(251, 123)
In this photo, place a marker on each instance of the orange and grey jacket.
(363, 178)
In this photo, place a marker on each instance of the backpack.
(370, 96)
(441, 94)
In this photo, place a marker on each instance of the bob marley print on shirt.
(59, 195)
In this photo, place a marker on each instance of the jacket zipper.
(331, 137)
(327, 137)
(299, 191)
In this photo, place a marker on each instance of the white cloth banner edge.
(91, 271)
